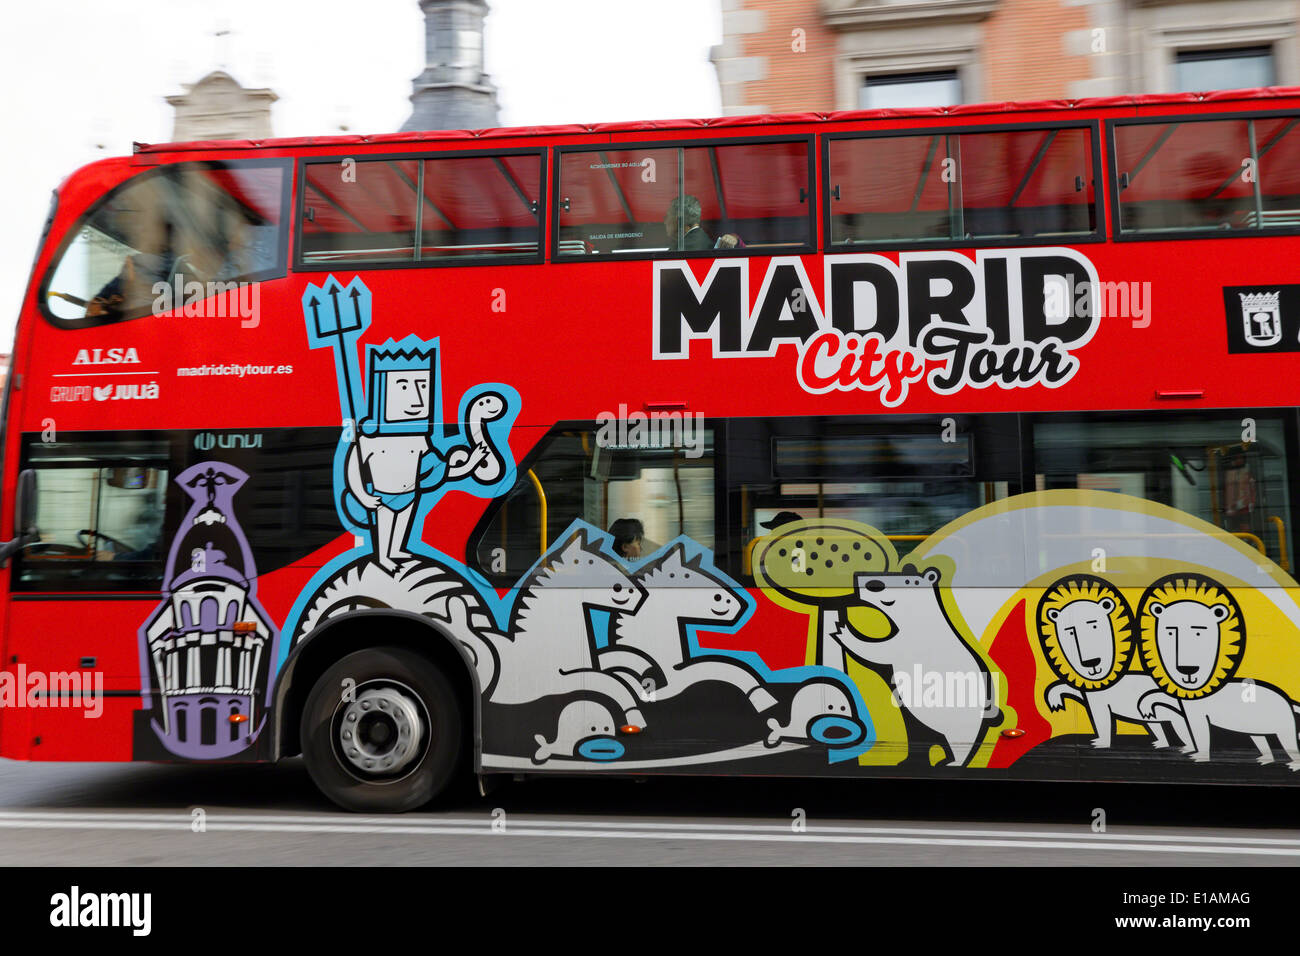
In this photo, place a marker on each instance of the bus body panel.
(1061, 624)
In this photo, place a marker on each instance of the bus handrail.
(1254, 539)
(541, 507)
(1283, 560)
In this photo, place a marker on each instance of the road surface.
(140, 815)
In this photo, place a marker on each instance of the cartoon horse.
(653, 643)
(549, 649)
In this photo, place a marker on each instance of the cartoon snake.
(484, 462)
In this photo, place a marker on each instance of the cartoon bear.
(922, 641)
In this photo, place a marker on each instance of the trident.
(336, 316)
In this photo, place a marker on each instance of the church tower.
(453, 92)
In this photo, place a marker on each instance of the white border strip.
(525, 826)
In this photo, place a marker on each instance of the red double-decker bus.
(949, 441)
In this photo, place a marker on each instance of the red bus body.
(582, 340)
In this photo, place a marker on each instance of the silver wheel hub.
(380, 731)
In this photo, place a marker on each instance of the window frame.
(278, 271)
(1098, 235)
(1112, 177)
(804, 249)
(375, 265)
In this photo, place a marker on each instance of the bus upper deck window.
(421, 210)
(1221, 175)
(695, 199)
(1002, 184)
(206, 222)
(482, 206)
(362, 213)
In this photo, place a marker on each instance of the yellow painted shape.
(886, 716)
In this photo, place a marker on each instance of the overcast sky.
(83, 79)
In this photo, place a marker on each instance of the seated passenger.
(148, 528)
(627, 534)
(682, 223)
(132, 287)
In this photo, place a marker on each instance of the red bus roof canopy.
(731, 122)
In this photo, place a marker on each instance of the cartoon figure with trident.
(400, 459)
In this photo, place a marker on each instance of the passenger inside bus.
(682, 223)
(628, 534)
(779, 519)
(133, 286)
(1239, 493)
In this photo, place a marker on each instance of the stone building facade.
(217, 107)
(793, 55)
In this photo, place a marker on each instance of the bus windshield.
(189, 222)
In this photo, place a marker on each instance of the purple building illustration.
(209, 645)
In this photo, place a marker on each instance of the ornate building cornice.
(864, 14)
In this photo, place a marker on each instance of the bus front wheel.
(381, 731)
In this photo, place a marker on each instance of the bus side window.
(365, 212)
(1005, 184)
(99, 517)
(1232, 175)
(481, 205)
(693, 199)
(665, 481)
(904, 476)
(417, 210)
(1197, 465)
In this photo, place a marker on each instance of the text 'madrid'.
(1010, 317)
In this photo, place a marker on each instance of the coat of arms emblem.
(1261, 316)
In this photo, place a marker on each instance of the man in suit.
(682, 223)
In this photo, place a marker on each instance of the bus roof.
(731, 122)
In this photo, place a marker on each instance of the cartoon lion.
(1086, 629)
(1193, 639)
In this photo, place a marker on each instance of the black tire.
(438, 747)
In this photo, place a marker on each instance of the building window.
(1237, 68)
(901, 90)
